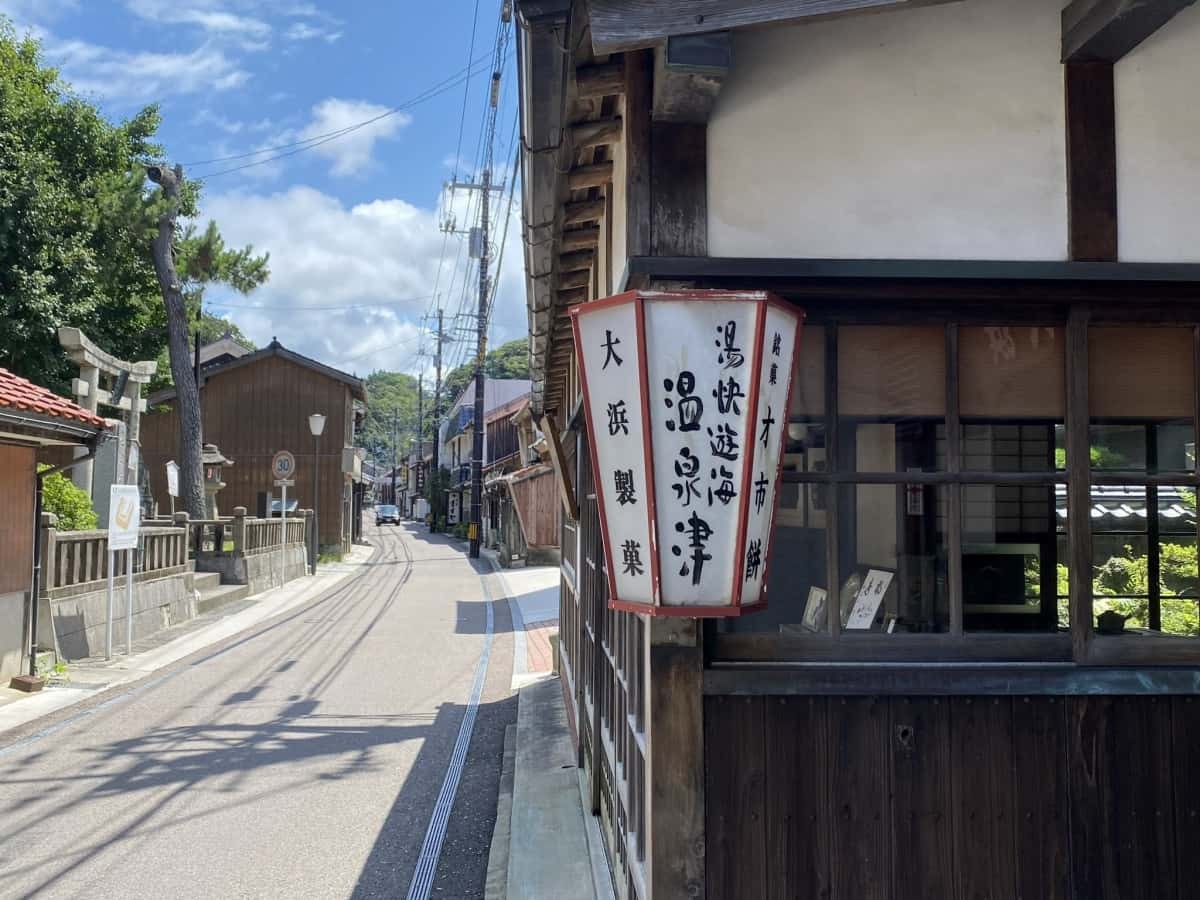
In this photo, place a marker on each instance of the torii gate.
(122, 390)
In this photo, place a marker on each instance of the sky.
(354, 224)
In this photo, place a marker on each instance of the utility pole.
(394, 411)
(480, 354)
(420, 427)
(437, 395)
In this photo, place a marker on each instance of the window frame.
(1081, 644)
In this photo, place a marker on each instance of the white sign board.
(870, 596)
(283, 466)
(124, 517)
(173, 478)
(687, 440)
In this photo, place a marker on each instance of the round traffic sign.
(283, 465)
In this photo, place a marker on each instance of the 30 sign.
(687, 442)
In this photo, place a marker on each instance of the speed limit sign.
(283, 466)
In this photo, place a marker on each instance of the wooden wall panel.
(922, 832)
(860, 779)
(735, 832)
(981, 769)
(16, 523)
(797, 854)
(953, 798)
(1040, 798)
(250, 412)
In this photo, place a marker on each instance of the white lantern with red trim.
(687, 395)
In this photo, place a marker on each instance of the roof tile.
(20, 393)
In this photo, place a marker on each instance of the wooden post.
(49, 549)
(1079, 483)
(239, 529)
(675, 766)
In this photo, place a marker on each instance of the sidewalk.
(545, 846)
(92, 677)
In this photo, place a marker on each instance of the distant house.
(522, 512)
(222, 351)
(255, 404)
(457, 436)
(32, 422)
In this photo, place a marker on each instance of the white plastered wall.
(935, 132)
(1157, 90)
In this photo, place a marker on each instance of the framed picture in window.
(815, 610)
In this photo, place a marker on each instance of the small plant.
(71, 504)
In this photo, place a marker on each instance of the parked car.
(387, 513)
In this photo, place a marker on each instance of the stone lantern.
(213, 463)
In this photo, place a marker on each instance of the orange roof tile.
(20, 393)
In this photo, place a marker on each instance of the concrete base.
(80, 621)
(549, 856)
(266, 570)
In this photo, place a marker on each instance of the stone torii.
(95, 365)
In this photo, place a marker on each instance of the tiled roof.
(20, 393)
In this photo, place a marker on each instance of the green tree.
(63, 259)
(72, 505)
(509, 360)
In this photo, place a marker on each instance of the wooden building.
(255, 405)
(986, 210)
(34, 424)
(522, 518)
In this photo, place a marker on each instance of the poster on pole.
(173, 478)
(124, 517)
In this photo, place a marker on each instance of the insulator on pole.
(495, 89)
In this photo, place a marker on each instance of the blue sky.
(353, 223)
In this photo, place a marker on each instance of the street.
(304, 757)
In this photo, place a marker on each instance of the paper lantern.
(687, 395)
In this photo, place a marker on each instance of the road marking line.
(431, 848)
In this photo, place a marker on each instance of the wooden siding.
(1088, 797)
(250, 413)
(539, 509)
(16, 525)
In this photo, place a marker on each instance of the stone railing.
(76, 562)
(247, 550)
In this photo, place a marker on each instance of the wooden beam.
(574, 279)
(600, 80)
(581, 178)
(572, 297)
(584, 238)
(639, 72)
(619, 25)
(597, 133)
(572, 262)
(1106, 30)
(688, 73)
(678, 204)
(583, 211)
(1091, 162)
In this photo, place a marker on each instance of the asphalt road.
(301, 758)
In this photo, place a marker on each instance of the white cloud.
(140, 77)
(28, 12)
(306, 31)
(353, 153)
(378, 261)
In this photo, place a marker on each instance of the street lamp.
(316, 425)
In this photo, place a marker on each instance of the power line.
(333, 136)
(348, 128)
(381, 303)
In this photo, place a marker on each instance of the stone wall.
(158, 603)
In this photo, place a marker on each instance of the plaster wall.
(934, 132)
(12, 629)
(1158, 144)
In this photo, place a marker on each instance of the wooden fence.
(76, 562)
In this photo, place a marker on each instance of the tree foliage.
(72, 505)
(76, 223)
(509, 360)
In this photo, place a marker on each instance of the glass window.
(1012, 372)
(892, 398)
(1014, 557)
(892, 543)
